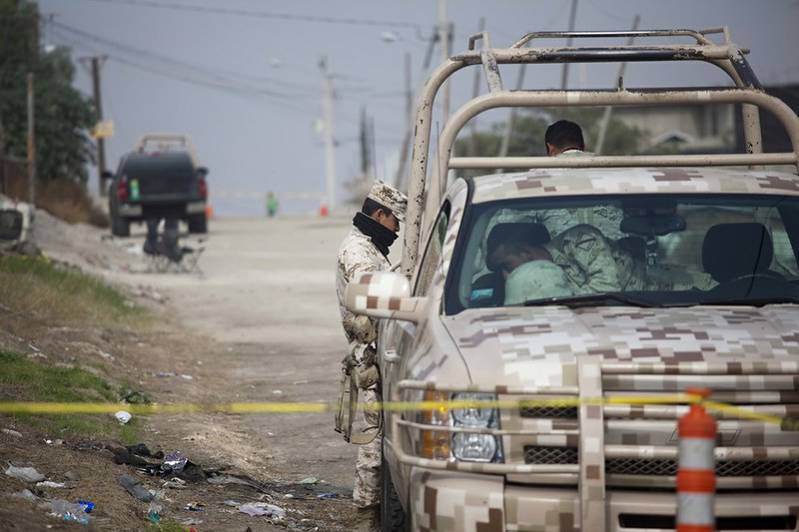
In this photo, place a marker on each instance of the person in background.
(272, 204)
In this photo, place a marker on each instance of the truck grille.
(667, 468)
(548, 412)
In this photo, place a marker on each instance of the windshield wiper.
(751, 302)
(591, 300)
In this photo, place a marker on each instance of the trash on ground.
(26, 494)
(69, 511)
(277, 392)
(189, 521)
(174, 483)
(231, 502)
(175, 461)
(309, 480)
(154, 511)
(256, 509)
(123, 417)
(329, 495)
(12, 432)
(54, 442)
(135, 488)
(50, 484)
(288, 496)
(28, 474)
(166, 374)
(88, 506)
(195, 506)
(186, 377)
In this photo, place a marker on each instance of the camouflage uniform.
(358, 254)
(537, 279)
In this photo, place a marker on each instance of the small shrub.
(70, 201)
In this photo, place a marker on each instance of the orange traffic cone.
(696, 475)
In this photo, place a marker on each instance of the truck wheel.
(198, 224)
(392, 516)
(119, 226)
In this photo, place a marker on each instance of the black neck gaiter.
(380, 236)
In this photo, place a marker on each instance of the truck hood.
(539, 346)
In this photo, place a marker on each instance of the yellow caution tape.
(388, 406)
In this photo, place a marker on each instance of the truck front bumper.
(454, 501)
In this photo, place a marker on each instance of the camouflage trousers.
(367, 466)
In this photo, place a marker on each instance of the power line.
(219, 75)
(264, 14)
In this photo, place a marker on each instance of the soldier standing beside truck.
(365, 249)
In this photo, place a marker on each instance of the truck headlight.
(475, 447)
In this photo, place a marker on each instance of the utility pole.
(406, 138)
(96, 63)
(445, 41)
(564, 80)
(31, 146)
(503, 148)
(605, 122)
(475, 91)
(330, 154)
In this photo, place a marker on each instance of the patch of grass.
(22, 379)
(48, 290)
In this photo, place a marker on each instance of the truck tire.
(198, 224)
(119, 226)
(392, 515)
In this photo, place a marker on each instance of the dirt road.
(266, 298)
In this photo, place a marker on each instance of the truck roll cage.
(726, 56)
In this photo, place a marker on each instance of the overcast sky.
(245, 84)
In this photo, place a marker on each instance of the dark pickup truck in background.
(159, 179)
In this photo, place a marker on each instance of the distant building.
(706, 128)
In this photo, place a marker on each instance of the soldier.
(365, 249)
(564, 138)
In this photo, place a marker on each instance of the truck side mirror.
(202, 171)
(384, 295)
(105, 174)
(10, 224)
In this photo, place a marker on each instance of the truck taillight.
(203, 188)
(122, 191)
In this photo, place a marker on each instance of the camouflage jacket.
(357, 254)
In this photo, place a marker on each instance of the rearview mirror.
(652, 224)
(384, 295)
(10, 224)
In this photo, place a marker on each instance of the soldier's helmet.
(537, 279)
(390, 198)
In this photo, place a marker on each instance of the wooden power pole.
(31, 146)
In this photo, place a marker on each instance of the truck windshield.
(632, 250)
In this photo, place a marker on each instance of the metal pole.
(605, 122)
(564, 80)
(330, 154)
(98, 106)
(444, 40)
(31, 146)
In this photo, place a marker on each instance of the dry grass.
(69, 200)
(35, 286)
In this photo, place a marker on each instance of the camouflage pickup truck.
(653, 274)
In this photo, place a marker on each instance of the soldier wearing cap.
(365, 249)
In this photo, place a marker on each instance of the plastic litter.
(329, 495)
(69, 511)
(231, 502)
(12, 432)
(174, 483)
(123, 417)
(189, 521)
(257, 509)
(26, 494)
(194, 506)
(28, 474)
(154, 511)
(135, 489)
(174, 461)
(88, 506)
(50, 484)
(309, 480)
